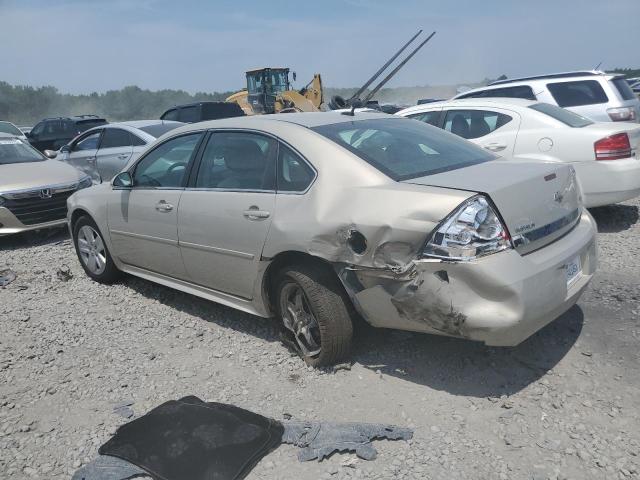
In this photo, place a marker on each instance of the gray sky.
(80, 46)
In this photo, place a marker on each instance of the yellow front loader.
(269, 91)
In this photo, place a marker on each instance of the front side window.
(294, 175)
(403, 149)
(53, 127)
(431, 118)
(14, 150)
(166, 165)
(238, 161)
(88, 142)
(115, 137)
(565, 116)
(38, 129)
(474, 123)
(578, 93)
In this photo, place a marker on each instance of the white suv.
(593, 94)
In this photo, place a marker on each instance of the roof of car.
(139, 123)
(472, 102)
(306, 119)
(582, 73)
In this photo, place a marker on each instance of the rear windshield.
(623, 88)
(160, 129)
(578, 93)
(565, 116)
(14, 150)
(84, 125)
(11, 129)
(403, 149)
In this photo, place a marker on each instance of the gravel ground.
(564, 404)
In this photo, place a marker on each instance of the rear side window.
(518, 91)
(294, 175)
(159, 129)
(623, 88)
(137, 141)
(238, 161)
(189, 114)
(427, 117)
(403, 149)
(115, 137)
(474, 123)
(565, 116)
(578, 93)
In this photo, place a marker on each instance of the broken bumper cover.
(500, 299)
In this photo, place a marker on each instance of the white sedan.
(605, 155)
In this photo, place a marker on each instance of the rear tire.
(92, 251)
(314, 311)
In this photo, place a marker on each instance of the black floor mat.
(189, 439)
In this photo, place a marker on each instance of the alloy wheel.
(299, 319)
(92, 250)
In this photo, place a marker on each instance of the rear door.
(493, 129)
(224, 216)
(82, 153)
(115, 151)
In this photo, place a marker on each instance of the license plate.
(573, 270)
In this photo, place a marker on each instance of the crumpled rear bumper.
(500, 299)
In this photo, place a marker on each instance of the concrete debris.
(6, 277)
(64, 273)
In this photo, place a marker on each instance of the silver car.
(312, 217)
(103, 151)
(33, 189)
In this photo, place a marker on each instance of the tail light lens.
(622, 114)
(613, 148)
(472, 230)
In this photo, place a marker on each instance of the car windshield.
(14, 150)
(404, 149)
(10, 128)
(160, 129)
(565, 116)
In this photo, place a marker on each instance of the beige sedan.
(313, 217)
(33, 189)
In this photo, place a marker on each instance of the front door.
(224, 216)
(143, 219)
(82, 153)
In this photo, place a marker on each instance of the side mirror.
(27, 134)
(122, 180)
(50, 154)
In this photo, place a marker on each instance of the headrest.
(244, 155)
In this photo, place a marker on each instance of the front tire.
(315, 314)
(92, 251)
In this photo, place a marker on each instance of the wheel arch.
(283, 259)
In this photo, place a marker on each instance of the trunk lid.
(539, 202)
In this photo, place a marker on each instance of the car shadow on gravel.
(615, 218)
(263, 328)
(463, 367)
(24, 240)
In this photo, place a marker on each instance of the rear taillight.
(622, 114)
(613, 148)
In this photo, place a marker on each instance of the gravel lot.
(564, 404)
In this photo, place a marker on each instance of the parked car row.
(603, 154)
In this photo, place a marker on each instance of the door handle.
(495, 147)
(163, 206)
(122, 156)
(254, 213)
(91, 160)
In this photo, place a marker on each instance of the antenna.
(598, 66)
(395, 70)
(384, 67)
